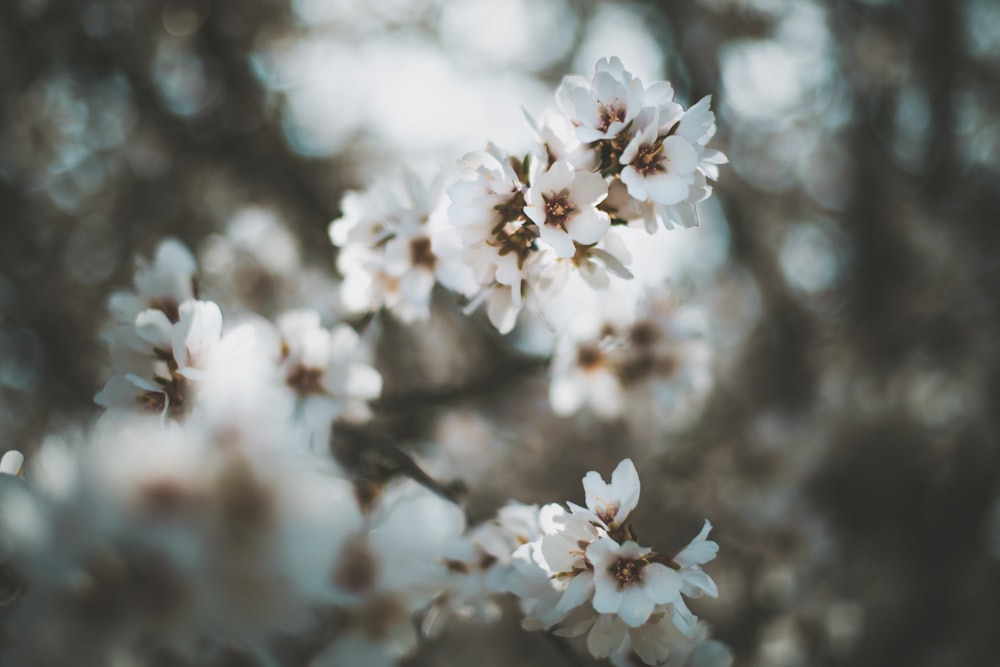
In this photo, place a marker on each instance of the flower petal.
(663, 585)
(666, 188)
(636, 606)
(560, 241)
(588, 226)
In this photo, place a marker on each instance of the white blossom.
(603, 107)
(563, 203)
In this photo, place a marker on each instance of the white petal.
(635, 183)
(501, 310)
(12, 462)
(612, 262)
(700, 550)
(626, 487)
(594, 275)
(565, 396)
(154, 327)
(606, 395)
(576, 592)
(684, 214)
(711, 653)
(587, 134)
(662, 583)
(636, 606)
(605, 637)
(536, 213)
(697, 125)
(683, 618)
(561, 242)
(588, 226)
(589, 189)
(666, 188)
(457, 277)
(631, 150)
(697, 582)
(416, 287)
(363, 381)
(607, 597)
(558, 177)
(683, 157)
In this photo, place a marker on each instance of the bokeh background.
(848, 454)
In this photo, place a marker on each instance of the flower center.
(305, 381)
(169, 307)
(650, 159)
(172, 398)
(627, 571)
(610, 114)
(421, 253)
(606, 513)
(589, 357)
(643, 334)
(558, 209)
(520, 241)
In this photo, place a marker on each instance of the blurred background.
(848, 453)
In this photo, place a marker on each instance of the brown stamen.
(421, 253)
(627, 571)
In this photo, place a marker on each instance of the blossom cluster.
(618, 155)
(183, 543)
(204, 512)
(172, 356)
(638, 366)
(585, 573)
(618, 162)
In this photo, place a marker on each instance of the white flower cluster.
(394, 248)
(585, 574)
(176, 540)
(204, 512)
(619, 154)
(186, 540)
(650, 363)
(171, 356)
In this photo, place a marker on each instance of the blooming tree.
(204, 513)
